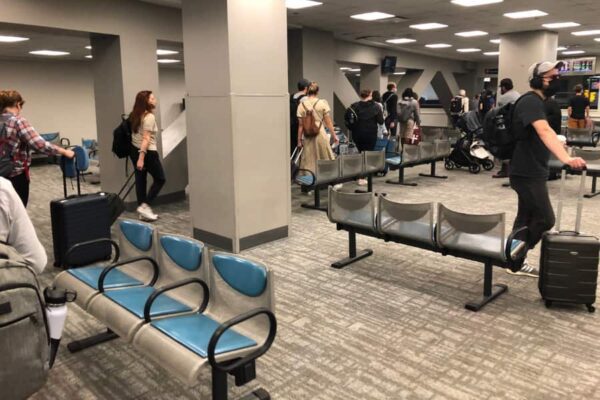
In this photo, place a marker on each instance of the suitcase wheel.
(548, 303)
(590, 308)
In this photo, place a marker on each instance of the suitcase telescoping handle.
(563, 178)
(63, 166)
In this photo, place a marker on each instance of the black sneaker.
(526, 270)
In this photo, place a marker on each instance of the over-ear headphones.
(537, 82)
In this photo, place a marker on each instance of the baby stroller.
(469, 151)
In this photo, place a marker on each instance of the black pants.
(535, 210)
(365, 143)
(21, 184)
(153, 167)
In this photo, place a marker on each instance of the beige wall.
(171, 83)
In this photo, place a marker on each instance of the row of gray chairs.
(178, 303)
(345, 168)
(592, 158)
(423, 153)
(582, 137)
(475, 237)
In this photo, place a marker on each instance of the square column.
(237, 121)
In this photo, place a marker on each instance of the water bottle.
(56, 313)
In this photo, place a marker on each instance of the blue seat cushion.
(185, 253)
(394, 160)
(243, 275)
(138, 234)
(515, 243)
(134, 300)
(194, 332)
(306, 180)
(114, 279)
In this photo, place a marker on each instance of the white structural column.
(237, 121)
(519, 50)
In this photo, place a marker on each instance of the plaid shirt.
(20, 138)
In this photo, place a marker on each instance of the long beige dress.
(316, 147)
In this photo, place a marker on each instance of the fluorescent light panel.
(586, 33)
(400, 73)
(345, 68)
(162, 52)
(573, 52)
(12, 39)
(597, 39)
(401, 41)
(372, 16)
(88, 47)
(468, 50)
(168, 61)
(50, 53)
(491, 53)
(428, 26)
(526, 14)
(558, 25)
(471, 33)
(438, 45)
(354, 70)
(495, 41)
(561, 48)
(298, 4)
(89, 56)
(473, 3)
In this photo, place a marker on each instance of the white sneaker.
(362, 182)
(526, 270)
(145, 213)
(338, 186)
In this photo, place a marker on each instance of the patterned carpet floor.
(391, 326)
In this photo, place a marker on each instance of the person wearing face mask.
(508, 95)
(529, 163)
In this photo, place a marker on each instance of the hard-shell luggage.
(77, 219)
(569, 260)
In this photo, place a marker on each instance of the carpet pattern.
(391, 326)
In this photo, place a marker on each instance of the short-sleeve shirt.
(530, 158)
(578, 105)
(148, 124)
(320, 106)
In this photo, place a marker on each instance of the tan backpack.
(309, 122)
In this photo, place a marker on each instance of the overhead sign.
(576, 66)
(491, 71)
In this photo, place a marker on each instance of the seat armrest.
(109, 268)
(314, 177)
(160, 291)
(212, 344)
(78, 246)
(509, 254)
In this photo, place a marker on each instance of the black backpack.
(351, 117)
(456, 105)
(6, 164)
(498, 133)
(122, 138)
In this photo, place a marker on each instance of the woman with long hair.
(144, 154)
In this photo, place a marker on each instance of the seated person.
(16, 228)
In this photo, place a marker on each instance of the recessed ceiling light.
(51, 53)
(357, 75)
(168, 61)
(561, 48)
(558, 25)
(400, 40)
(492, 53)
(298, 4)
(495, 41)
(354, 70)
(526, 14)
(345, 68)
(471, 33)
(572, 52)
(597, 39)
(438, 45)
(468, 50)
(12, 39)
(428, 26)
(472, 3)
(162, 52)
(372, 16)
(89, 56)
(88, 47)
(586, 33)
(400, 73)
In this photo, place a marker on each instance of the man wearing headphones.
(529, 163)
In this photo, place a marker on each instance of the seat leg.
(490, 291)
(369, 185)
(317, 202)
(219, 384)
(432, 174)
(353, 254)
(593, 193)
(400, 180)
(82, 344)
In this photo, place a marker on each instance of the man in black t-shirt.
(295, 100)
(390, 102)
(579, 109)
(529, 163)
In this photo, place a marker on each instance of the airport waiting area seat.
(473, 237)
(426, 152)
(196, 310)
(592, 158)
(345, 168)
(582, 137)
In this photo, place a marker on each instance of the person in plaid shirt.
(18, 138)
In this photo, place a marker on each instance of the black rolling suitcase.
(569, 260)
(76, 219)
